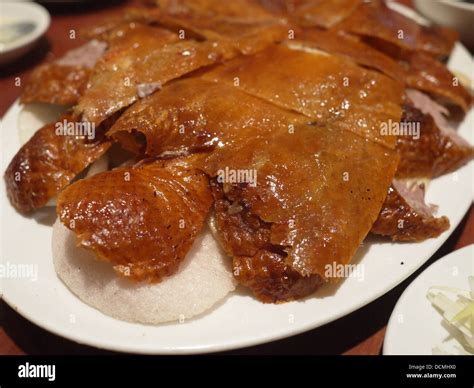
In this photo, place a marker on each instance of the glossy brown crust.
(247, 37)
(402, 222)
(434, 153)
(257, 263)
(316, 215)
(46, 164)
(194, 115)
(56, 84)
(249, 10)
(320, 188)
(427, 74)
(152, 62)
(323, 13)
(142, 219)
(382, 27)
(326, 88)
(338, 42)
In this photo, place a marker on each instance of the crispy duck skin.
(435, 153)
(248, 10)
(316, 215)
(247, 38)
(418, 71)
(46, 164)
(382, 27)
(320, 188)
(340, 43)
(430, 76)
(56, 84)
(128, 73)
(63, 81)
(246, 35)
(194, 114)
(142, 219)
(326, 88)
(405, 216)
(322, 13)
(257, 263)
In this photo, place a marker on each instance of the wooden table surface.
(361, 332)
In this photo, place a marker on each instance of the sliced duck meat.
(194, 115)
(426, 151)
(246, 37)
(430, 76)
(341, 43)
(245, 10)
(318, 188)
(322, 13)
(405, 215)
(49, 161)
(63, 81)
(127, 73)
(326, 88)
(395, 34)
(142, 219)
(257, 263)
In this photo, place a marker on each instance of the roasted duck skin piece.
(320, 188)
(406, 217)
(316, 216)
(430, 76)
(323, 13)
(340, 43)
(47, 163)
(418, 71)
(257, 263)
(141, 219)
(248, 38)
(326, 88)
(247, 10)
(63, 81)
(128, 73)
(196, 115)
(395, 34)
(436, 151)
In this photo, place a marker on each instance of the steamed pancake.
(204, 278)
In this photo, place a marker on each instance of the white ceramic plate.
(415, 326)
(22, 12)
(240, 321)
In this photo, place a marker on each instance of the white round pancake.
(204, 278)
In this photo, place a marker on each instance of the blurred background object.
(22, 23)
(457, 14)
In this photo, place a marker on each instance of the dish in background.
(457, 14)
(21, 25)
(415, 326)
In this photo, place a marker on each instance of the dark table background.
(359, 333)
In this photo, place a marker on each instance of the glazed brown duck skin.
(301, 224)
(380, 27)
(141, 219)
(419, 71)
(434, 153)
(291, 194)
(406, 217)
(64, 80)
(47, 163)
(325, 88)
(257, 263)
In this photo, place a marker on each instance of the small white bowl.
(456, 14)
(16, 12)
